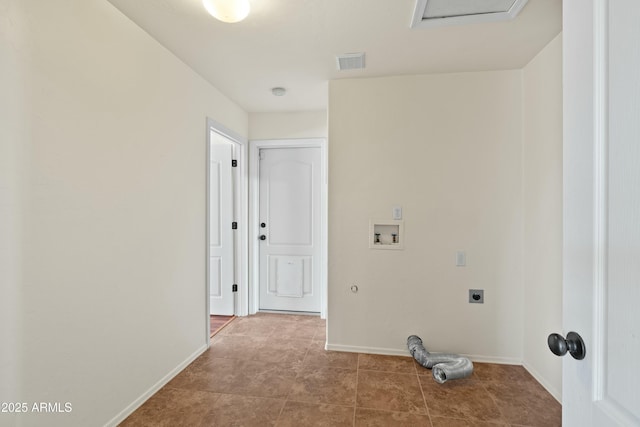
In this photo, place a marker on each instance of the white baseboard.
(405, 352)
(544, 383)
(154, 388)
(368, 350)
(493, 359)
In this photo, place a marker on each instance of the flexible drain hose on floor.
(443, 366)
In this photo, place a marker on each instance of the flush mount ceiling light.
(436, 13)
(227, 10)
(278, 91)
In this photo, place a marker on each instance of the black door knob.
(572, 344)
(263, 225)
(263, 237)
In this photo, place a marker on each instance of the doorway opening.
(233, 210)
(226, 224)
(288, 226)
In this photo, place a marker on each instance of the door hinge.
(234, 288)
(234, 163)
(234, 225)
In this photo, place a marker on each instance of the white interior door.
(221, 234)
(602, 211)
(289, 254)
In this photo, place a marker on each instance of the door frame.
(254, 215)
(241, 209)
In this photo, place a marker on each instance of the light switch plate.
(461, 259)
(397, 212)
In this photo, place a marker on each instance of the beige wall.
(304, 124)
(11, 107)
(448, 149)
(542, 139)
(103, 152)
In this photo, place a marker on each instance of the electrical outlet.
(476, 296)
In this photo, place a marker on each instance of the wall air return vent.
(350, 61)
(436, 13)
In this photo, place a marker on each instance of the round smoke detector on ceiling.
(278, 91)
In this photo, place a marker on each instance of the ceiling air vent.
(436, 13)
(350, 61)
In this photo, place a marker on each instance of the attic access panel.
(436, 13)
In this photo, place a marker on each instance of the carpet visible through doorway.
(219, 322)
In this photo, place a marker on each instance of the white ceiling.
(293, 44)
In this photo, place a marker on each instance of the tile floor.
(272, 370)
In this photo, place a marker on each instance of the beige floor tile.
(377, 362)
(321, 333)
(451, 422)
(317, 356)
(233, 410)
(497, 372)
(390, 391)
(235, 346)
(237, 376)
(325, 385)
(375, 418)
(463, 399)
(249, 326)
(264, 349)
(305, 319)
(171, 407)
(526, 403)
(300, 331)
(296, 414)
(271, 380)
(223, 375)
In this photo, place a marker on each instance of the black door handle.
(572, 344)
(263, 237)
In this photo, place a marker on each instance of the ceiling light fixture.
(230, 11)
(278, 91)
